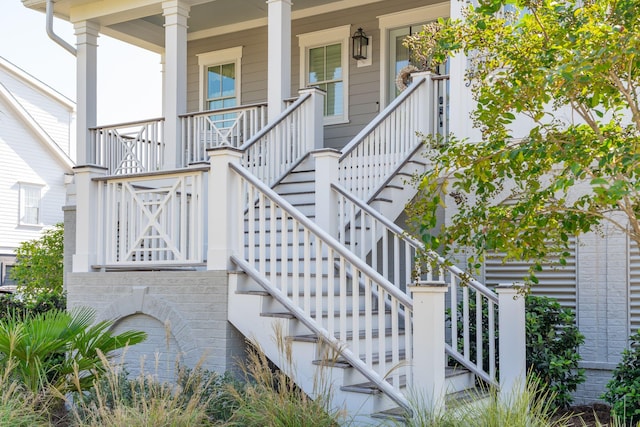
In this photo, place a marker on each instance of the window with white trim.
(220, 78)
(324, 63)
(30, 200)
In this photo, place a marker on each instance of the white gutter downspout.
(53, 36)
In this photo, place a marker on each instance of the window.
(220, 84)
(324, 63)
(5, 274)
(30, 196)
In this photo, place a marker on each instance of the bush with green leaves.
(12, 305)
(552, 341)
(39, 264)
(623, 391)
(46, 349)
(552, 347)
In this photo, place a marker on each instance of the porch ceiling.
(140, 22)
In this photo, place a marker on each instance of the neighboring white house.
(37, 145)
(229, 216)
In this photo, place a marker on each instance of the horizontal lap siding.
(51, 115)
(364, 86)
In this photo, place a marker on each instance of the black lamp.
(359, 44)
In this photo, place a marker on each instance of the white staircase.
(317, 262)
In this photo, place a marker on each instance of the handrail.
(127, 124)
(380, 118)
(416, 243)
(326, 336)
(328, 239)
(255, 138)
(223, 110)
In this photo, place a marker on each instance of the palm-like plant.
(44, 350)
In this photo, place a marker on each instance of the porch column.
(86, 87)
(279, 50)
(428, 362)
(512, 332)
(174, 102)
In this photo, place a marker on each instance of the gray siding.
(364, 85)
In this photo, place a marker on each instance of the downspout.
(53, 36)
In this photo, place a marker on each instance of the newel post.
(88, 208)
(326, 201)
(224, 210)
(428, 364)
(512, 348)
(313, 118)
(426, 102)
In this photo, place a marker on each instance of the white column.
(313, 117)
(87, 227)
(512, 349)
(174, 84)
(428, 362)
(86, 87)
(224, 210)
(326, 200)
(279, 50)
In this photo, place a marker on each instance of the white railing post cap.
(90, 168)
(428, 286)
(225, 150)
(311, 89)
(326, 152)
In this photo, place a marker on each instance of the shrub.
(46, 349)
(40, 263)
(12, 305)
(552, 339)
(623, 390)
(552, 347)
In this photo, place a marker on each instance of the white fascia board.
(24, 115)
(37, 84)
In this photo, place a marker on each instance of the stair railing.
(328, 311)
(387, 141)
(392, 256)
(278, 147)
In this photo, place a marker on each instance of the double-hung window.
(220, 83)
(324, 62)
(30, 199)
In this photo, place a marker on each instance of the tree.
(40, 263)
(525, 197)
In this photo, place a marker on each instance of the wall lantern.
(359, 44)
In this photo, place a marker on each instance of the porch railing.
(128, 148)
(152, 219)
(387, 249)
(228, 126)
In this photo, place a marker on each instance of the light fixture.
(359, 44)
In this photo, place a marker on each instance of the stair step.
(397, 414)
(371, 388)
